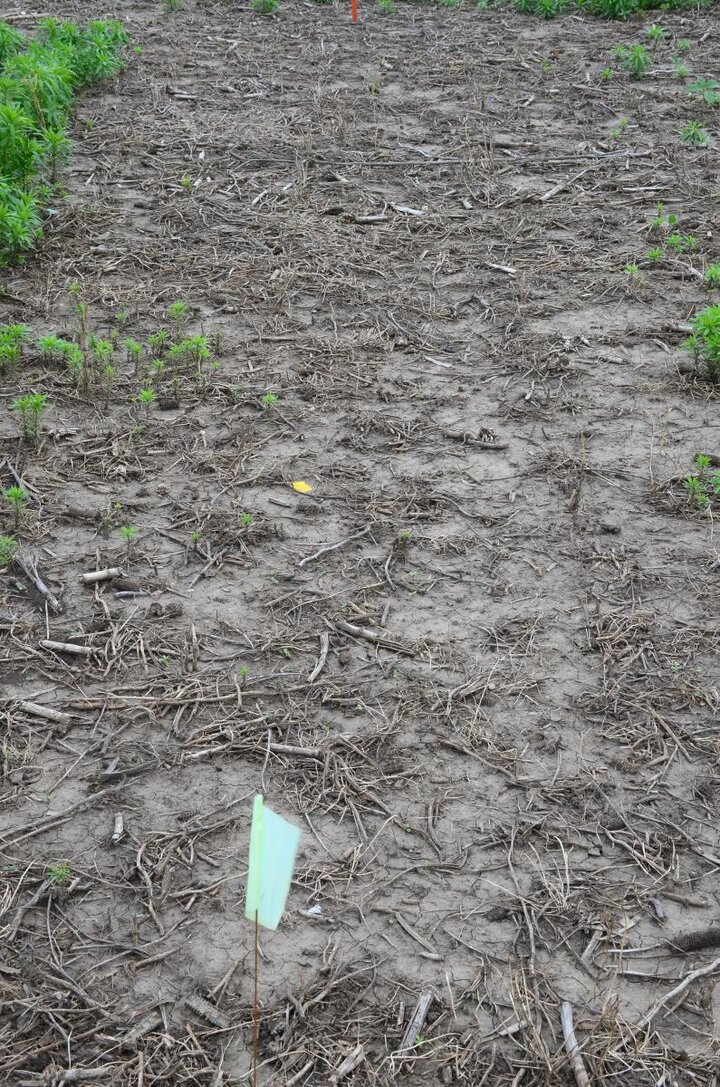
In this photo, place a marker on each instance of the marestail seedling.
(30, 409)
(705, 343)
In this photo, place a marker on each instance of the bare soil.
(492, 708)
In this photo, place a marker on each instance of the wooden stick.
(416, 1022)
(571, 1047)
(36, 710)
(101, 575)
(335, 546)
(324, 648)
(29, 568)
(701, 972)
(256, 1015)
(67, 647)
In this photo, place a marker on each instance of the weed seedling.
(247, 520)
(655, 34)
(269, 400)
(134, 352)
(654, 255)
(632, 271)
(681, 70)
(59, 873)
(712, 276)
(30, 408)
(177, 312)
(683, 45)
(12, 338)
(52, 348)
(129, 533)
(263, 7)
(708, 89)
(386, 7)
(705, 342)
(147, 397)
(696, 492)
(404, 536)
(186, 183)
(8, 547)
(607, 73)
(16, 498)
(635, 59)
(620, 127)
(173, 5)
(159, 341)
(695, 134)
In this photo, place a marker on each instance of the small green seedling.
(404, 535)
(607, 74)
(655, 34)
(12, 339)
(159, 341)
(186, 183)
(269, 400)
(59, 873)
(696, 492)
(8, 547)
(147, 397)
(386, 7)
(129, 533)
(712, 276)
(134, 351)
(635, 59)
(620, 127)
(683, 45)
(16, 498)
(654, 255)
(263, 7)
(246, 520)
(52, 348)
(632, 271)
(708, 89)
(681, 70)
(173, 5)
(705, 342)
(30, 408)
(695, 134)
(178, 314)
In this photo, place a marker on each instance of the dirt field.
(477, 664)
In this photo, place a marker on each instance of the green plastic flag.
(273, 845)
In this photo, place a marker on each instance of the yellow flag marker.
(301, 486)
(273, 845)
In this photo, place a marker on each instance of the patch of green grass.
(40, 76)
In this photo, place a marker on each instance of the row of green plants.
(544, 9)
(39, 78)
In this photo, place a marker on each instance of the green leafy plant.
(632, 271)
(59, 873)
(177, 312)
(8, 547)
(683, 45)
(16, 497)
(246, 520)
(696, 492)
(655, 33)
(695, 134)
(129, 533)
(607, 73)
(12, 340)
(264, 7)
(269, 400)
(146, 398)
(52, 348)
(654, 255)
(712, 276)
(708, 89)
(635, 59)
(173, 5)
(681, 70)
(705, 343)
(39, 78)
(186, 183)
(30, 408)
(620, 127)
(386, 7)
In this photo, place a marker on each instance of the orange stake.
(353, 8)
